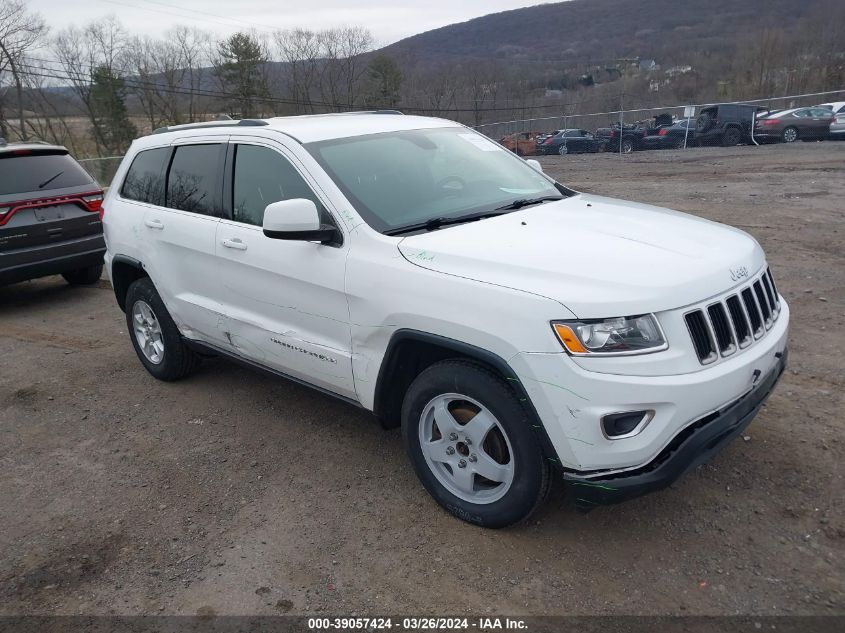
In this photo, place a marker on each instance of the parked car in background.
(726, 124)
(619, 343)
(837, 107)
(628, 138)
(521, 143)
(837, 128)
(793, 124)
(672, 137)
(50, 215)
(542, 137)
(570, 142)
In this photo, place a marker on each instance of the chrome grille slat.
(765, 310)
(735, 321)
(721, 328)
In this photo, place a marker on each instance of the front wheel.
(563, 150)
(471, 444)
(627, 145)
(154, 335)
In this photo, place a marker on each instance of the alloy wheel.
(466, 448)
(148, 332)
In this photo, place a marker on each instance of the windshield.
(396, 179)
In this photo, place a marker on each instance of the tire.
(732, 136)
(84, 276)
(166, 356)
(508, 450)
(563, 150)
(790, 134)
(679, 144)
(627, 145)
(703, 122)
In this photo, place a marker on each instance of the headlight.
(621, 335)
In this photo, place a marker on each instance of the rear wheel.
(563, 150)
(84, 276)
(627, 145)
(154, 335)
(790, 134)
(732, 136)
(471, 444)
(679, 143)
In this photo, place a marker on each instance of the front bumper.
(694, 445)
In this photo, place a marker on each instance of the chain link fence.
(572, 119)
(102, 169)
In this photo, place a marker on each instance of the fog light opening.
(618, 426)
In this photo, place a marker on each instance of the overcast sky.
(388, 20)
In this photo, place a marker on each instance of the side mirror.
(297, 219)
(535, 164)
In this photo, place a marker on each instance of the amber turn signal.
(568, 338)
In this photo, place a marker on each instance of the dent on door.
(286, 305)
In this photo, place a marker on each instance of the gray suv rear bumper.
(51, 259)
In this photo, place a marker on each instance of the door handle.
(234, 243)
(154, 224)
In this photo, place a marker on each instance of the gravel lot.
(231, 493)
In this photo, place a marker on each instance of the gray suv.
(50, 215)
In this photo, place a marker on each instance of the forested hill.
(594, 31)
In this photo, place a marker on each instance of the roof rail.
(197, 126)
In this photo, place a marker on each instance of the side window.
(144, 181)
(263, 176)
(192, 182)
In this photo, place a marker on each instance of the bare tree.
(194, 54)
(301, 50)
(20, 32)
(101, 47)
(340, 74)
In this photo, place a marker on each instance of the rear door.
(181, 234)
(285, 300)
(821, 120)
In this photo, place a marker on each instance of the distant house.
(678, 70)
(647, 65)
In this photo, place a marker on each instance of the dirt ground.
(232, 493)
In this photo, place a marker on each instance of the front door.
(285, 302)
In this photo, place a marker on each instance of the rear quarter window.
(144, 181)
(40, 172)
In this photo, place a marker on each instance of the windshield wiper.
(49, 180)
(527, 202)
(436, 223)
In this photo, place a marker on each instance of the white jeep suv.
(513, 327)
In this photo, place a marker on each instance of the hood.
(597, 256)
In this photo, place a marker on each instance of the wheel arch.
(409, 352)
(124, 271)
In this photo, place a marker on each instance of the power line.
(138, 84)
(179, 15)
